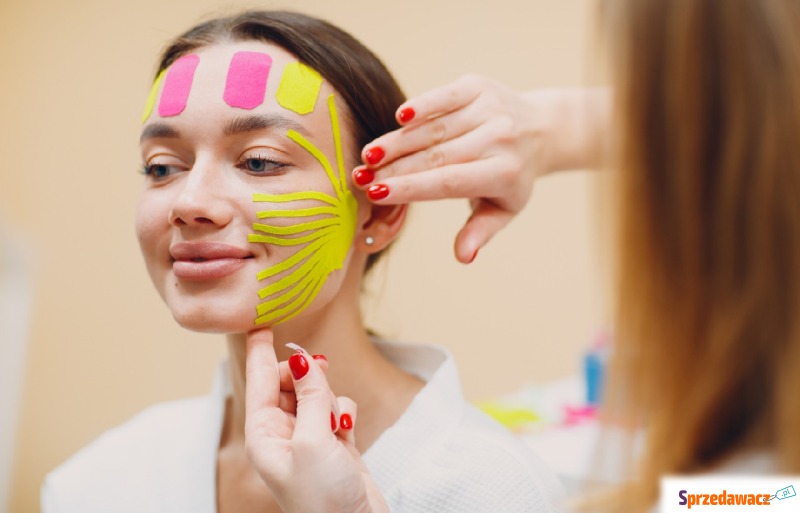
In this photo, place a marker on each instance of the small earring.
(369, 241)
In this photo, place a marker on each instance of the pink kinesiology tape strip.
(246, 84)
(177, 85)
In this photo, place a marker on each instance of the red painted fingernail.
(346, 421)
(374, 155)
(378, 192)
(406, 115)
(363, 176)
(473, 256)
(333, 422)
(298, 365)
(320, 357)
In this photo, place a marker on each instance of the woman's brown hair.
(371, 93)
(707, 108)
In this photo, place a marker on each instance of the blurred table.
(567, 435)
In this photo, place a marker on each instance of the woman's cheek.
(152, 219)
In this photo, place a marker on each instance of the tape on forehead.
(177, 84)
(299, 88)
(246, 83)
(151, 98)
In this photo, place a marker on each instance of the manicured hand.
(308, 459)
(478, 139)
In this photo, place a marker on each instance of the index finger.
(287, 383)
(442, 100)
(435, 103)
(262, 373)
(315, 402)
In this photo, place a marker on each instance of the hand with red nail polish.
(406, 115)
(288, 398)
(298, 364)
(378, 192)
(373, 155)
(297, 448)
(345, 421)
(363, 176)
(478, 139)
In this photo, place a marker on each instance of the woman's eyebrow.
(244, 124)
(235, 126)
(157, 130)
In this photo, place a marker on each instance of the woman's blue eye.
(157, 171)
(257, 165)
(261, 165)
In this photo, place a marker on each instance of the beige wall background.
(102, 346)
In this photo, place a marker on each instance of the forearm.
(574, 125)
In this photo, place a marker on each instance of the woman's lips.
(200, 261)
(206, 270)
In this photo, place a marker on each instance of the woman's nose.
(203, 200)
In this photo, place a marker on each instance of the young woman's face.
(203, 166)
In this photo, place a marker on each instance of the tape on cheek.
(326, 238)
(246, 83)
(299, 88)
(177, 85)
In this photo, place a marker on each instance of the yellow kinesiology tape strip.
(288, 280)
(293, 241)
(295, 307)
(297, 228)
(295, 196)
(326, 238)
(337, 140)
(299, 88)
(296, 287)
(150, 104)
(292, 260)
(303, 212)
(321, 158)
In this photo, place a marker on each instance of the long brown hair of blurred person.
(707, 172)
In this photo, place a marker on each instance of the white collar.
(432, 413)
(429, 419)
(432, 364)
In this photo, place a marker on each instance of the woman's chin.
(205, 323)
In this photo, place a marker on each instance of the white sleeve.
(47, 498)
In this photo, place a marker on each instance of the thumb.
(486, 220)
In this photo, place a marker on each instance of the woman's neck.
(356, 369)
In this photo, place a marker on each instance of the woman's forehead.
(240, 77)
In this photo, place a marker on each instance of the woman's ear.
(381, 228)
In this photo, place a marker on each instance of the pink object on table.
(177, 85)
(578, 415)
(246, 83)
